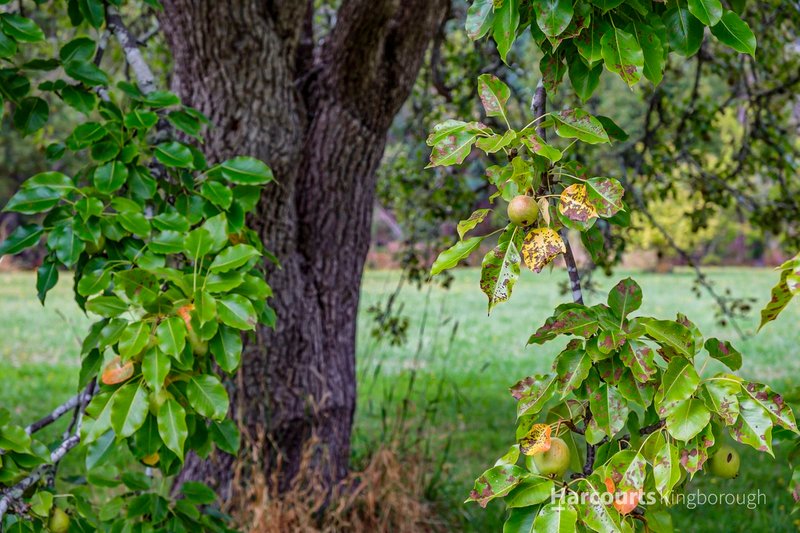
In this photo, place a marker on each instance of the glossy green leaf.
(46, 279)
(30, 201)
(174, 154)
(236, 311)
(207, 396)
(171, 335)
(734, 32)
(66, 245)
(225, 435)
(246, 171)
(706, 11)
(227, 348)
(458, 252)
(556, 517)
(233, 257)
(684, 31)
(155, 368)
(172, 426)
(22, 238)
(198, 243)
(110, 177)
(129, 408)
(55, 181)
(687, 419)
(217, 193)
(677, 385)
(670, 333)
(504, 27)
(22, 29)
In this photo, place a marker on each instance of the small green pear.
(725, 463)
(59, 521)
(555, 461)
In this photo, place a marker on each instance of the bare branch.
(144, 76)
(77, 400)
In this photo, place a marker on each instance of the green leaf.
(138, 119)
(452, 149)
(687, 419)
(174, 154)
(67, 246)
(167, 242)
(80, 49)
(536, 145)
(155, 367)
(236, 311)
(233, 257)
(22, 29)
(625, 297)
(773, 403)
(55, 181)
(475, 218)
(107, 306)
(783, 292)
(110, 177)
(724, 352)
(679, 382)
(171, 335)
(754, 426)
(246, 171)
(553, 16)
(496, 483)
(666, 469)
(217, 193)
(31, 115)
(720, 396)
(32, 201)
(46, 279)
(504, 27)
(671, 334)
(556, 517)
(86, 72)
(208, 397)
(494, 94)
(198, 493)
(734, 32)
(684, 31)
(172, 426)
(584, 79)
(572, 367)
(134, 339)
(653, 51)
(578, 124)
(609, 412)
(198, 243)
(459, 251)
(500, 267)
(22, 238)
(225, 435)
(480, 17)
(129, 408)
(707, 11)
(638, 357)
(622, 55)
(8, 46)
(158, 99)
(588, 42)
(530, 492)
(227, 348)
(136, 223)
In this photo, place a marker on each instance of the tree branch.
(144, 76)
(81, 398)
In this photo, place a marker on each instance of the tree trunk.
(317, 111)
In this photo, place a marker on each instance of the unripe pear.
(523, 210)
(725, 463)
(59, 521)
(555, 461)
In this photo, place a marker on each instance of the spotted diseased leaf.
(496, 142)
(536, 440)
(694, 454)
(638, 357)
(496, 483)
(500, 267)
(452, 149)
(588, 42)
(494, 94)
(687, 419)
(538, 146)
(470, 223)
(594, 513)
(667, 469)
(783, 292)
(671, 334)
(504, 29)
(622, 54)
(720, 396)
(773, 403)
(572, 368)
(652, 49)
(555, 517)
(724, 352)
(540, 247)
(636, 391)
(609, 412)
(575, 207)
(578, 124)
(627, 470)
(625, 297)
(480, 16)
(532, 393)
(605, 196)
(572, 318)
(553, 68)
(754, 425)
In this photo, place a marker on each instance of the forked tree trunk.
(318, 114)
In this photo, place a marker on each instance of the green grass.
(449, 381)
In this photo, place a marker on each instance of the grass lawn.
(448, 383)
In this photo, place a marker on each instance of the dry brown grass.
(386, 496)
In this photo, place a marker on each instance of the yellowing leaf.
(540, 247)
(575, 206)
(115, 372)
(537, 440)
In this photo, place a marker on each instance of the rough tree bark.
(317, 111)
